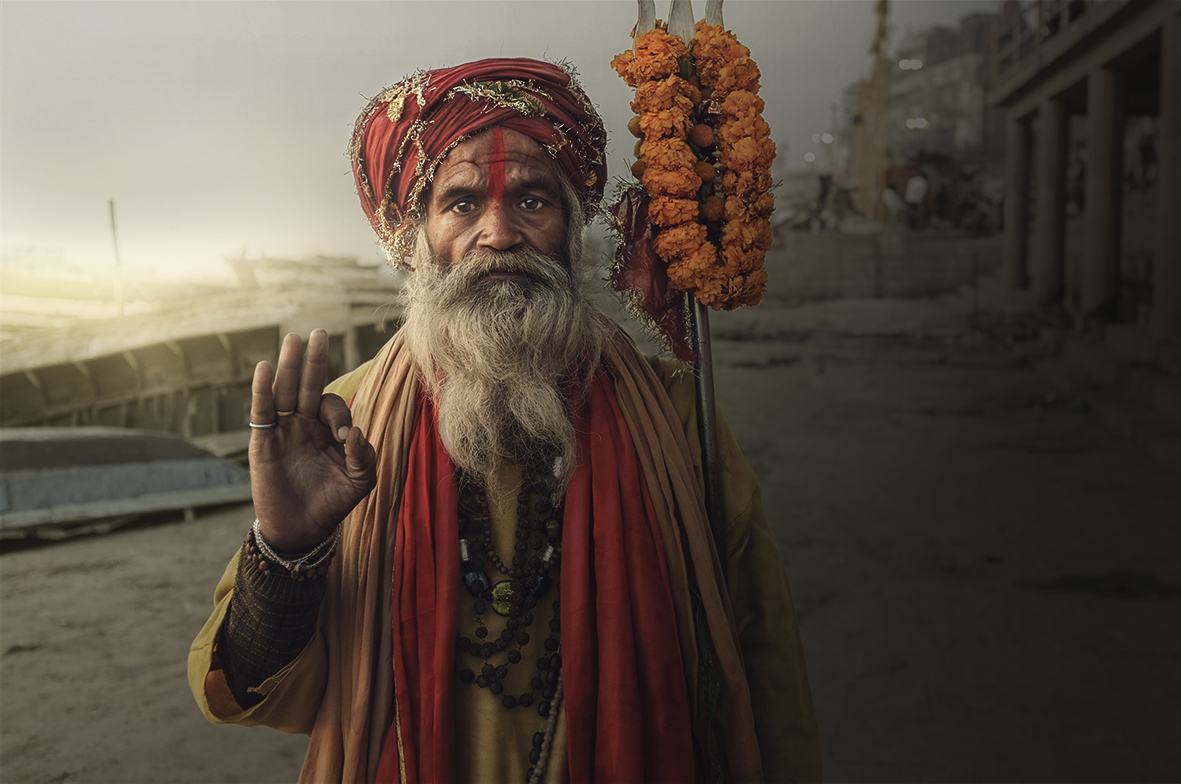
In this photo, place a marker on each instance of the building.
(1091, 91)
(924, 110)
(938, 81)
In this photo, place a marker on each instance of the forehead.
(512, 152)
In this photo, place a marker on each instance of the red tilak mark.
(496, 168)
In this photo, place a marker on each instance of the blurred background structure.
(1091, 93)
(181, 355)
(1028, 149)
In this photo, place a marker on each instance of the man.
(895, 207)
(523, 587)
(916, 200)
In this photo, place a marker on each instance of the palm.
(305, 477)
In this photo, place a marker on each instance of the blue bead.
(477, 582)
(541, 585)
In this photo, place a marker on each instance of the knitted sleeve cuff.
(271, 619)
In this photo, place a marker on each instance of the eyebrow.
(452, 192)
(541, 183)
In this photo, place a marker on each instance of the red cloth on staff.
(626, 702)
(407, 130)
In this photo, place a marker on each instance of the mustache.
(527, 263)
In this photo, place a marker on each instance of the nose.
(498, 230)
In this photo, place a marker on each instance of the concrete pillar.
(1047, 259)
(1166, 284)
(1104, 194)
(1016, 200)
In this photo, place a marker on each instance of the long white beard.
(502, 358)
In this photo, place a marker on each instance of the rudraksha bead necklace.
(537, 549)
(543, 741)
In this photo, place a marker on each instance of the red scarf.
(626, 702)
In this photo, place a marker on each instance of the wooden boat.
(61, 476)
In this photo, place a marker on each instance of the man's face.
(496, 191)
(494, 316)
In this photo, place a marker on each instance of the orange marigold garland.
(704, 160)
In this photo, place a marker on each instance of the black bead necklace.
(537, 549)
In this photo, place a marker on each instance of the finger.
(287, 374)
(262, 402)
(360, 459)
(335, 415)
(315, 373)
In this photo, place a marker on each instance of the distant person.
(894, 205)
(916, 198)
(484, 555)
(825, 188)
(839, 202)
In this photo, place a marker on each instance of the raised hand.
(313, 467)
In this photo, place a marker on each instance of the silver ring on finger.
(266, 426)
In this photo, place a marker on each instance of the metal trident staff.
(682, 24)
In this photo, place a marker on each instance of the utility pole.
(118, 270)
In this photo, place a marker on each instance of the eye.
(463, 207)
(531, 204)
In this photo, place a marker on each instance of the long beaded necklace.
(537, 549)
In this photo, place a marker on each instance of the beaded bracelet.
(309, 566)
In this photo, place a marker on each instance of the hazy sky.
(220, 127)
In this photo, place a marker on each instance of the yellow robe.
(491, 742)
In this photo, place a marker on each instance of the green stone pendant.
(502, 596)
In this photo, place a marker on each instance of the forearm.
(270, 620)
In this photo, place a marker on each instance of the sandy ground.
(987, 579)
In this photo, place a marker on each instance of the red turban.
(406, 131)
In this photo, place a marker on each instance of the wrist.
(302, 565)
(290, 543)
